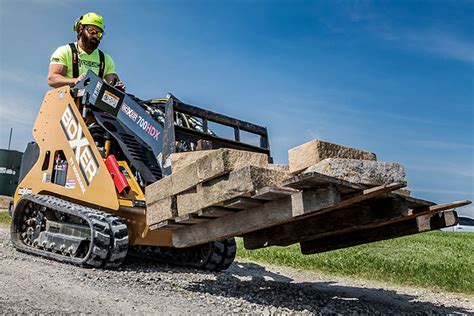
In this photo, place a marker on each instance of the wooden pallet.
(228, 207)
(312, 207)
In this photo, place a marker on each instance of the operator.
(70, 63)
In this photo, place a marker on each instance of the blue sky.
(392, 77)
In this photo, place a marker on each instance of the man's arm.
(57, 76)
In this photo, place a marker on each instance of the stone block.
(181, 160)
(161, 210)
(240, 182)
(310, 153)
(366, 172)
(158, 190)
(207, 165)
(279, 167)
(218, 158)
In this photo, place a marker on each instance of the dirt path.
(34, 285)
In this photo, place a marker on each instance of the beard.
(90, 44)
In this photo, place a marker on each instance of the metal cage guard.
(174, 132)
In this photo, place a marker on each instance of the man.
(70, 63)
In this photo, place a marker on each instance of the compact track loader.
(81, 198)
(81, 194)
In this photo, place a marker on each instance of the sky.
(392, 77)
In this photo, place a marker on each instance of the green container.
(10, 162)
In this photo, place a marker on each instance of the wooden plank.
(370, 193)
(270, 193)
(441, 207)
(242, 203)
(315, 199)
(414, 203)
(168, 224)
(429, 210)
(191, 219)
(263, 216)
(215, 211)
(407, 227)
(354, 217)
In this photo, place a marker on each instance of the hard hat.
(90, 18)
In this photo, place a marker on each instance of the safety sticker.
(46, 177)
(70, 184)
(61, 95)
(97, 89)
(110, 99)
(23, 191)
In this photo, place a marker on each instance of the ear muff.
(76, 24)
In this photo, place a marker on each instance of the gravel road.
(35, 285)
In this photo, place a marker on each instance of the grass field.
(4, 217)
(437, 260)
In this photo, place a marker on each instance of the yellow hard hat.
(90, 18)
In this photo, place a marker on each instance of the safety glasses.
(92, 31)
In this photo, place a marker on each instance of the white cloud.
(436, 40)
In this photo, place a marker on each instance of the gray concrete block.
(360, 171)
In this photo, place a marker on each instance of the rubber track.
(213, 256)
(109, 235)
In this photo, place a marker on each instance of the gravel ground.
(35, 285)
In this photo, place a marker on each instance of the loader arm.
(155, 128)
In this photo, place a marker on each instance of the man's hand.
(114, 81)
(120, 85)
(79, 79)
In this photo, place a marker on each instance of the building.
(10, 162)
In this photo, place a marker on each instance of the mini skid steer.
(81, 198)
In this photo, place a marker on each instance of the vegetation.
(438, 260)
(4, 217)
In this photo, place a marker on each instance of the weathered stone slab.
(161, 210)
(310, 153)
(202, 166)
(159, 190)
(218, 158)
(279, 167)
(181, 160)
(240, 182)
(360, 171)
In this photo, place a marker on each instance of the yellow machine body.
(61, 133)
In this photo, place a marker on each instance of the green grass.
(5, 218)
(439, 260)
